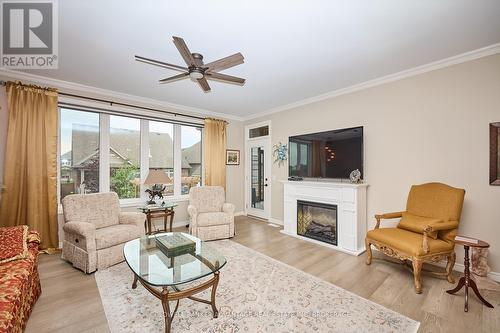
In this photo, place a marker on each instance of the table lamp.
(156, 178)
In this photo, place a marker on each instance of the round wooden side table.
(466, 280)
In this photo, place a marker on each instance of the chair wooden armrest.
(386, 216)
(436, 226)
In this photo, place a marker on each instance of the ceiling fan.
(196, 69)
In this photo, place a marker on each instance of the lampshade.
(157, 177)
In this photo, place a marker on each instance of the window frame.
(104, 142)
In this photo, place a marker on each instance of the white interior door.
(258, 178)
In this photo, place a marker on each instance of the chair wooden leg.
(449, 267)
(368, 252)
(417, 269)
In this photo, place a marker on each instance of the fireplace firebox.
(317, 221)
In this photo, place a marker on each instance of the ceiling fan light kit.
(196, 69)
(196, 74)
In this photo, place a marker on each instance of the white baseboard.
(331, 246)
(275, 221)
(495, 276)
(240, 213)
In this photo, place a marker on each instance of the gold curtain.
(30, 176)
(214, 147)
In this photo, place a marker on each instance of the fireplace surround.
(350, 202)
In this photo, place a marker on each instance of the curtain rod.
(111, 103)
(127, 114)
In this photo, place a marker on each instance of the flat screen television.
(330, 154)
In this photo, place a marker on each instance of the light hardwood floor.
(70, 299)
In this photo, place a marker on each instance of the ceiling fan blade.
(204, 84)
(174, 78)
(160, 64)
(224, 63)
(224, 78)
(184, 51)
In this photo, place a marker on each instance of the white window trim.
(177, 161)
(144, 158)
(257, 125)
(104, 152)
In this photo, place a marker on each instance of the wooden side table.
(166, 211)
(466, 280)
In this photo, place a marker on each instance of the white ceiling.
(293, 49)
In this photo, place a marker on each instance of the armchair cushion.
(207, 198)
(417, 224)
(436, 200)
(408, 242)
(134, 218)
(83, 229)
(213, 218)
(100, 209)
(228, 208)
(116, 234)
(192, 211)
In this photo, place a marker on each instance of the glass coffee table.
(162, 275)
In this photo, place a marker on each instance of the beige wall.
(235, 174)
(430, 127)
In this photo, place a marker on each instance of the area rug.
(256, 294)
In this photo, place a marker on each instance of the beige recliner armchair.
(211, 217)
(95, 230)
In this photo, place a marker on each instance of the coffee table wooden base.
(165, 296)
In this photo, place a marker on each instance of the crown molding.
(455, 60)
(76, 88)
(72, 87)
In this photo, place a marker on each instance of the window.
(299, 155)
(161, 151)
(79, 147)
(191, 158)
(125, 156)
(100, 152)
(258, 132)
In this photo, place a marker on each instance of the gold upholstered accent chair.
(426, 231)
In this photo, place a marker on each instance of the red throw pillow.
(13, 243)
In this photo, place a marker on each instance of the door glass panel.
(257, 177)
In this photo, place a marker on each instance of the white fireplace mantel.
(351, 210)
